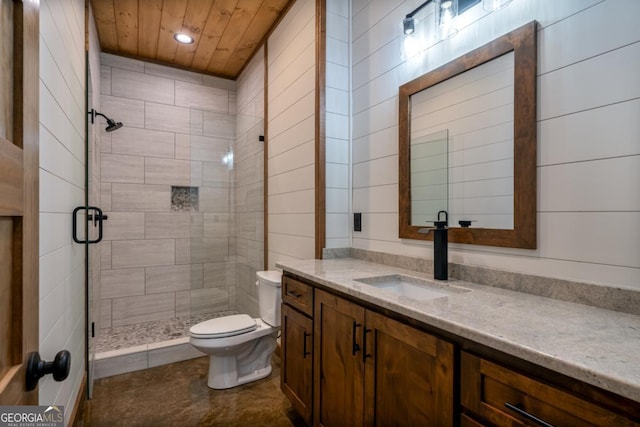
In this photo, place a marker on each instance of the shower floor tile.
(123, 337)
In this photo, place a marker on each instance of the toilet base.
(225, 379)
(252, 363)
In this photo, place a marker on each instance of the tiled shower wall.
(159, 263)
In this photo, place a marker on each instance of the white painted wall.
(249, 182)
(291, 124)
(588, 132)
(62, 121)
(338, 125)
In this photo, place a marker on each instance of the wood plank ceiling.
(226, 32)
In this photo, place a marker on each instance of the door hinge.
(93, 329)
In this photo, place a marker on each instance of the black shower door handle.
(97, 219)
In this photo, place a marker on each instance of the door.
(338, 381)
(19, 206)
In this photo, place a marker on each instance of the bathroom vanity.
(369, 344)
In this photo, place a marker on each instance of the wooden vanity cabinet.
(296, 377)
(372, 370)
(493, 395)
(347, 365)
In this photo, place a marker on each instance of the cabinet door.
(297, 376)
(408, 375)
(338, 371)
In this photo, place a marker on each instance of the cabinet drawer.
(298, 295)
(503, 397)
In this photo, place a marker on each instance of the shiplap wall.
(588, 133)
(249, 183)
(291, 133)
(62, 121)
(338, 124)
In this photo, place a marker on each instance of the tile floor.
(177, 395)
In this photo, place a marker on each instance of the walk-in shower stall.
(180, 185)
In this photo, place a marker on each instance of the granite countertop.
(598, 346)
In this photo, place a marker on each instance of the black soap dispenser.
(440, 247)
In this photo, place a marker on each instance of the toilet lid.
(226, 326)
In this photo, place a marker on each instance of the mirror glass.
(467, 145)
(472, 179)
(429, 177)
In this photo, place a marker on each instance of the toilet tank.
(269, 296)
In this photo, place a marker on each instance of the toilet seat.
(222, 327)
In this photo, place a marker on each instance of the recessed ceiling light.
(183, 38)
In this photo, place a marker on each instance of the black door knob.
(37, 368)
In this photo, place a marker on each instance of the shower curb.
(145, 356)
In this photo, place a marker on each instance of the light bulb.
(447, 12)
(411, 46)
(183, 38)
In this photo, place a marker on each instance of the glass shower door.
(208, 150)
(92, 229)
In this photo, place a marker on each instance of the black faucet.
(440, 247)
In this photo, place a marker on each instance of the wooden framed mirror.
(518, 229)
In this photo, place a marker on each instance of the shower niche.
(184, 199)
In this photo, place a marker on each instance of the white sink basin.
(411, 287)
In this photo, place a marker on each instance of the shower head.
(111, 124)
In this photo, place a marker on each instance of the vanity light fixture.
(445, 14)
(414, 41)
(183, 38)
(446, 11)
(408, 23)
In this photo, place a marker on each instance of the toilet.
(239, 346)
